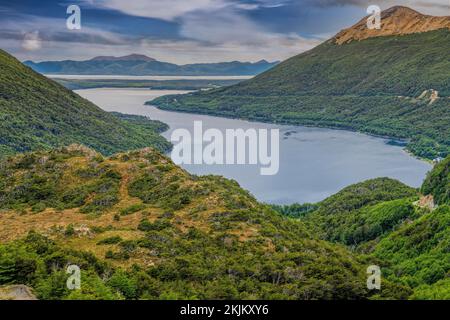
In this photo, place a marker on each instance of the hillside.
(382, 219)
(437, 183)
(363, 211)
(141, 227)
(380, 85)
(38, 113)
(140, 65)
(417, 255)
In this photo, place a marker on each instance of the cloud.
(39, 29)
(220, 31)
(165, 10)
(31, 41)
(202, 30)
(171, 9)
(230, 31)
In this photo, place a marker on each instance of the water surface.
(314, 162)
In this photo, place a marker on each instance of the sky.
(183, 31)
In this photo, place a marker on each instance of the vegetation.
(179, 236)
(382, 220)
(37, 113)
(417, 255)
(192, 84)
(374, 86)
(140, 227)
(363, 211)
(295, 210)
(437, 182)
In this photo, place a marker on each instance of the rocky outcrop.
(16, 292)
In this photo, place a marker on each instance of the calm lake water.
(314, 163)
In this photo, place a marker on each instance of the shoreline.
(318, 126)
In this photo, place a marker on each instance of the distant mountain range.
(141, 65)
(390, 82)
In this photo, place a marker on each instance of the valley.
(93, 207)
(330, 159)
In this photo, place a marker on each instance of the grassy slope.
(155, 231)
(37, 113)
(141, 227)
(354, 86)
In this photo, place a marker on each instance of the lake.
(314, 162)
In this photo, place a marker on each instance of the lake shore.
(314, 162)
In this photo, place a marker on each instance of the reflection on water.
(314, 162)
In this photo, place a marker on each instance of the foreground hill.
(391, 85)
(140, 65)
(37, 113)
(405, 230)
(417, 254)
(141, 227)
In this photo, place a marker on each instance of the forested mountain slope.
(38, 113)
(394, 85)
(404, 229)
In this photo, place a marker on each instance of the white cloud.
(161, 9)
(31, 41)
(211, 31)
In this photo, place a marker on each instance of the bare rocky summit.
(397, 20)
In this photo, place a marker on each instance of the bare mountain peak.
(400, 9)
(396, 20)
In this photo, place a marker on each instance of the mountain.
(141, 65)
(130, 57)
(375, 85)
(397, 20)
(38, 113)
(140, 227)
